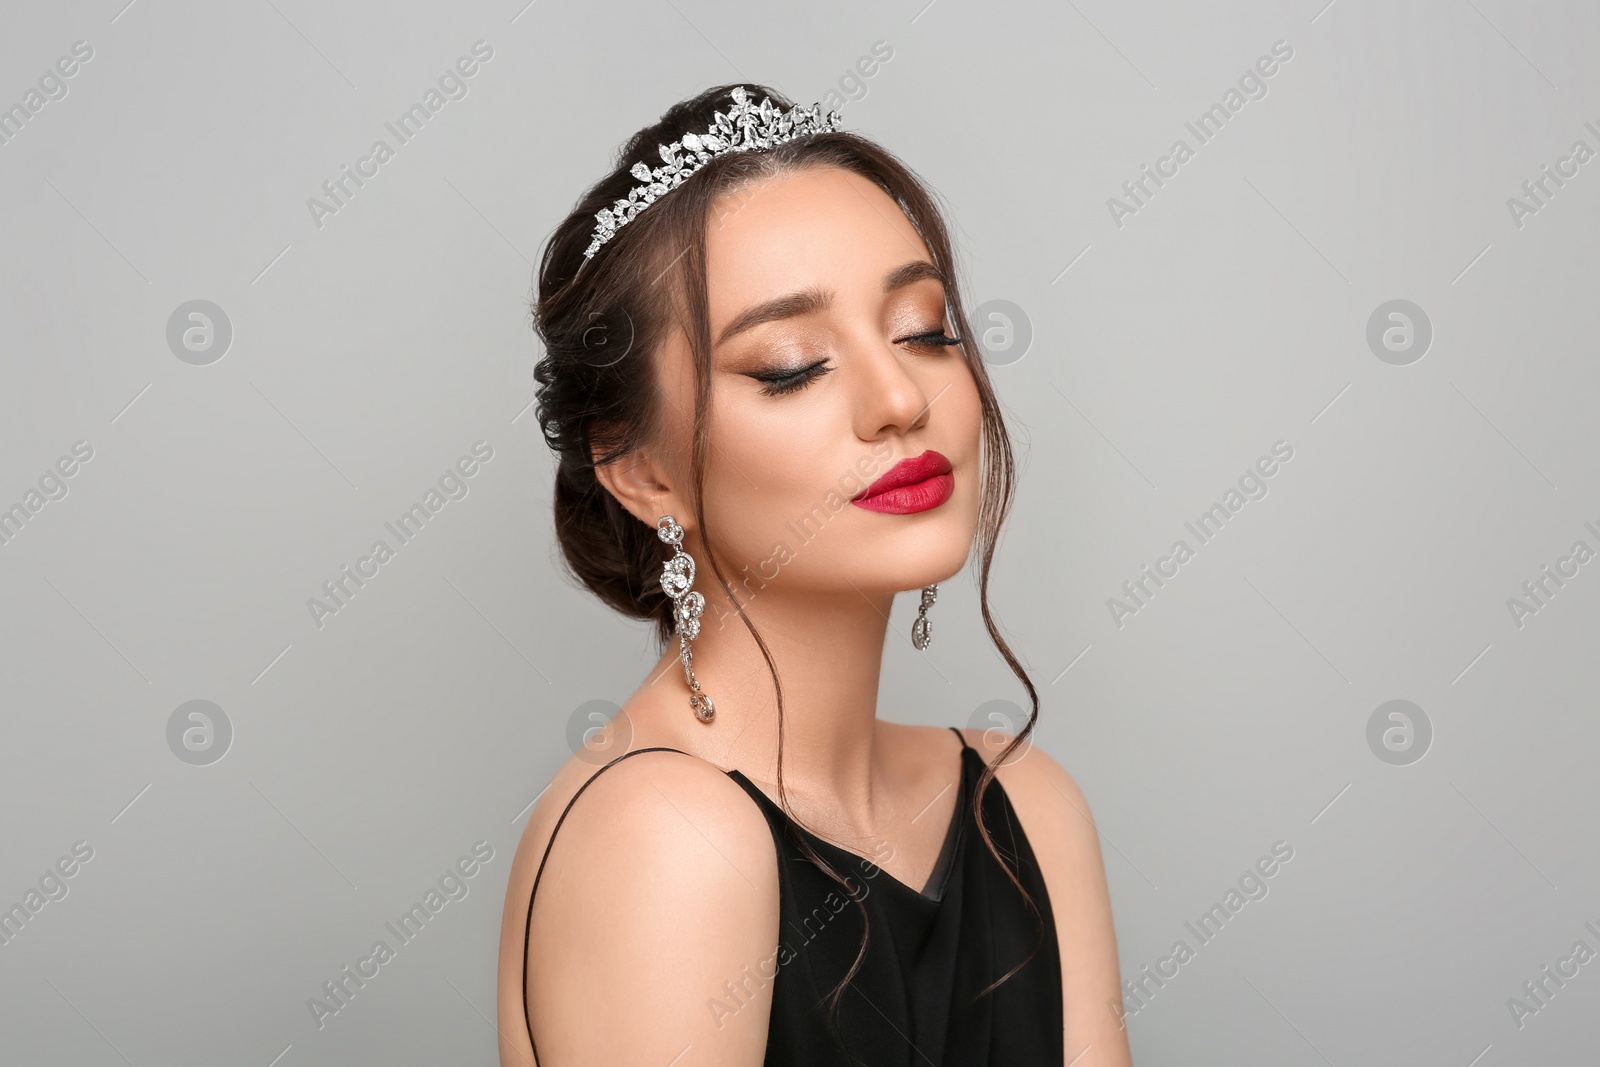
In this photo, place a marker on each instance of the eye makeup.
(781, 381)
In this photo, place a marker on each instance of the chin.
(915, 561)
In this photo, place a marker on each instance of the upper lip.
(908, 471)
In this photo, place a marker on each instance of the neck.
(828, 653)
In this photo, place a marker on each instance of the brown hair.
(601, 319)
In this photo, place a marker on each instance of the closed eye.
(777, 383)
(930, 338)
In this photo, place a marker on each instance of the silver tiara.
(745, 128)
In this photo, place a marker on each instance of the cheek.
(763, 467)
(965, 410)
(963, 429)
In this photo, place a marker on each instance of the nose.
(891, 391)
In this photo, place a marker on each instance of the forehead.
(822, 226)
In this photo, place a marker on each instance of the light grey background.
(1168, 354)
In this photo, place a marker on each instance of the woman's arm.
(658, 904)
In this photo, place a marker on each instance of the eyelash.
(779, 384)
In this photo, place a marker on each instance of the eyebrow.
(808, 301)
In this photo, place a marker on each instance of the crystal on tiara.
(746, 127)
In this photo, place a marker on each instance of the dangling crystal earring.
(677, 575)
(922, 629)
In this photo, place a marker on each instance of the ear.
(644, 487)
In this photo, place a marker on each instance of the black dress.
(913, 1002)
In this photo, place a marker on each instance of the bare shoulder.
(1053, 811)
(1031, 776)
(1061, 831)
(662, 867)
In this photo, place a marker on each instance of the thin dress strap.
(960, 737)
(527, 932)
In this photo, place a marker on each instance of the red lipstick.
(915, 484)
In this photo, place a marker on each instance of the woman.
(769, 422)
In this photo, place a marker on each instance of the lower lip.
(910, 499)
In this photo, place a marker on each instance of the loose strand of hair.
(1001, 466)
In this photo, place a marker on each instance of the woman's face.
(825, 311)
